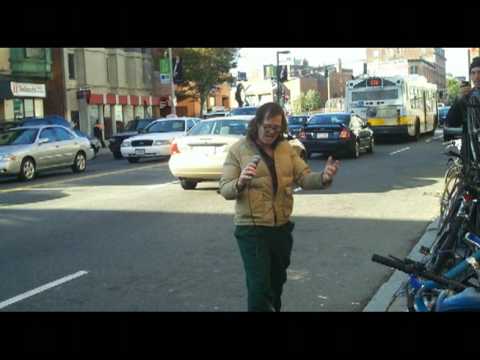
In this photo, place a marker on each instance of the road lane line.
(40, 289)
(399, 151)
(87, 177)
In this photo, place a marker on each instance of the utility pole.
(174, 100)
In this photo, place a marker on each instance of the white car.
(200, 155)
(155, 139)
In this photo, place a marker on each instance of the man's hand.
(330, 170)
(246, 175)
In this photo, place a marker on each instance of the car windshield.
(333, 119)
(220, 127)
(167, 126)
(134, 125)
(244, 111)
(18, 137)
(297, 120)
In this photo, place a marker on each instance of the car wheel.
(80, 163)
(356, 151)
(188, 185)
(27, 170)
(133, 160)
(372, 146)
(117, 155)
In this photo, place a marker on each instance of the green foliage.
(307, 102)
(205, 68)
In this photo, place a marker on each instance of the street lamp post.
(278, 74)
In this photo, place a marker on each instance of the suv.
(133, 128)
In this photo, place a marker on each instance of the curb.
(383, 298)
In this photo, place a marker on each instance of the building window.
(34, 52)
(71, 66)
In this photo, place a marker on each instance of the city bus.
(394, 105)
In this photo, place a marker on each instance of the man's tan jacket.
(256, 204)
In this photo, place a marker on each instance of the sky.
(352, 58)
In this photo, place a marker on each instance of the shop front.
(19, 100)
(115, 111)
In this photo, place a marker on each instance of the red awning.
(155, 100)
(145, 100)
(111, 99)
(95, 99)
(134, 100)
(123, 99)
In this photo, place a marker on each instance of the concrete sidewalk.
(385, 300)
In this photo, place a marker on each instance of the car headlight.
(162, 142)
(7, 157)
(126, 143)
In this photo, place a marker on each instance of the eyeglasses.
(274, 128)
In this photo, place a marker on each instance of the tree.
(307, 102)
(204, 69)
(453, 88)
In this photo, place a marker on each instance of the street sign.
(164, 78)
(164, 66)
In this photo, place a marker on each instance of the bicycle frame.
(461, 268)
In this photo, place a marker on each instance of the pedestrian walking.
(98, 133)
(260, 173)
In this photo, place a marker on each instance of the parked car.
(34, 121)
(442, 115)
(337, 133)
(94, 142)
(133, 128)
(246, 110)
(199, 156)
(296, 123)
(27, 150)
(156, 138)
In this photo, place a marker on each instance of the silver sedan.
(27, 150)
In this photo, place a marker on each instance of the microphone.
(256, 159)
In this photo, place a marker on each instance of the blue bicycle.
(452, 291)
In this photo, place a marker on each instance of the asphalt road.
(134, 240)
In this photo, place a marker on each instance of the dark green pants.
(266, 256)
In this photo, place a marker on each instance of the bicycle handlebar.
(413, 267)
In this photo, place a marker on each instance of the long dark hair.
(267, 111)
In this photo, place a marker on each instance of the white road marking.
(86, 177)
(40, 289)
(399, 151)
(158, 186)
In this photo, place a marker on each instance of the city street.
(133, 240)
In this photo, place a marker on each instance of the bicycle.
(451, 291)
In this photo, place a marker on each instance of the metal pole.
(174, 100)
(278, 81)
(328, 84)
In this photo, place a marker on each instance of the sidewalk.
(383, 300)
